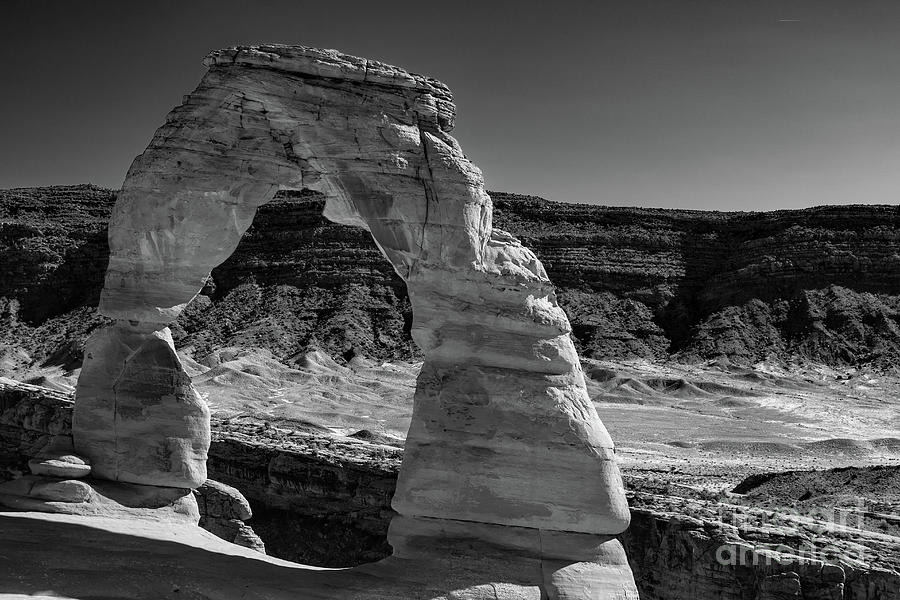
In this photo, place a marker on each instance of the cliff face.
(53, 248)
(821, 284)
(53, 252)
(315, 499)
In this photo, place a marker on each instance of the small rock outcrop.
(57, 459)
(100, 498)
(31, 418)
(223, 510)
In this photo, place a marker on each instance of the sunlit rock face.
(137, 416)
(505, 445)
(370, 136)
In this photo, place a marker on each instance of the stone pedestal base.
(99, 498)
(563, 565)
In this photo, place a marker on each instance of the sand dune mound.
(609, 386)
(841, 446)
(316, 390)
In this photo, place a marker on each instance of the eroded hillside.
(820, 284)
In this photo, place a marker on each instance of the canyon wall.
(819, 284)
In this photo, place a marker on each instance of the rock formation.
(505, 454)
(223, 510)
(506, 463)
(818, 284)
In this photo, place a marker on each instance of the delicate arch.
(503, 431)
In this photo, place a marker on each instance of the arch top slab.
(371, 137)
(335, 65)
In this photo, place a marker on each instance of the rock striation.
(505, 450)
(687, 548)
(316, 499)
(31, 418)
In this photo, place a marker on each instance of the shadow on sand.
(89, 557)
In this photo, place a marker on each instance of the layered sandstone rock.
(57, 459)
(686, 548)
(31, 417)
(137, 415)
(505, 446)
(223, 510)
(633, 282)
(819, 284)
(100, 498)
(53, 248)
(316, 499)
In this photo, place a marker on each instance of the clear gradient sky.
(710, 104)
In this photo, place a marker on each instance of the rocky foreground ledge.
(325, 500)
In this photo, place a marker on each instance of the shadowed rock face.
(818, 284)
(505, 445)
(634, 282)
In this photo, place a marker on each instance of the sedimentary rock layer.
(820, 283)
(634, 282)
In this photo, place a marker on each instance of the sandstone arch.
(505, 446)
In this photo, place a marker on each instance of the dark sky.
(713, 104)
